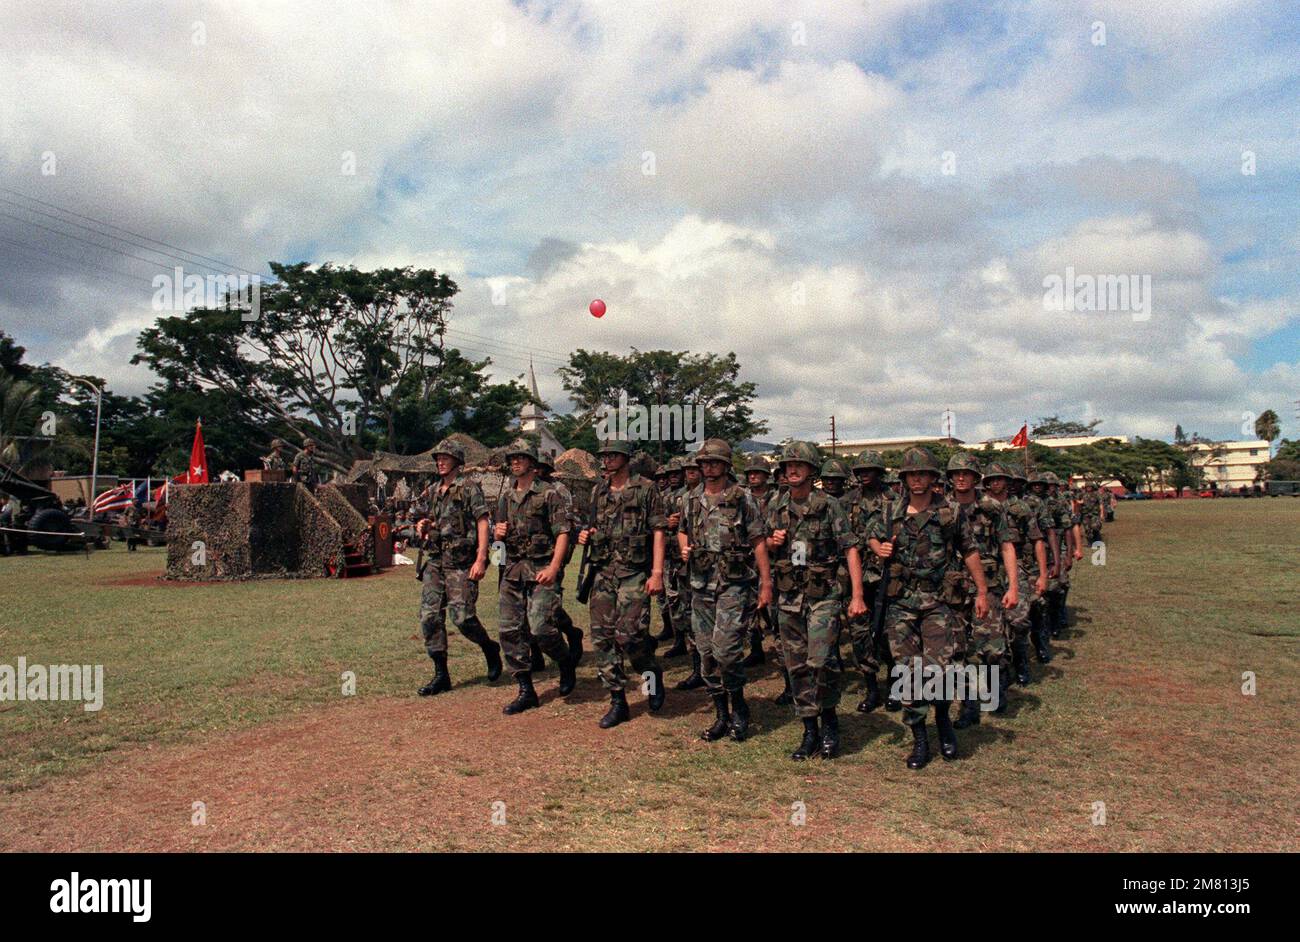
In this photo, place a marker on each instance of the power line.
(225, 266)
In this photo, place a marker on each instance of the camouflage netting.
(340, 502)
(576, 464)
(250, 531)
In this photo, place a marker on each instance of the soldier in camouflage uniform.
(924, 546)
(626, 546)
(1091, 512)
(863, 502)
(681, 613)
(1069, 521)
(1031, 557)
(809, 536)
(534, 520)
(834, 477)
(757, 474)
(667, 479)
(572, 633)
(987, 640)
(275, 461)
(1056, 523)
(304, 464)
(721, 540)
(456, 535)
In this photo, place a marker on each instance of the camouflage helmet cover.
(868, 460)
(714, 449)
(997, 470)
(919, 459)
(834, 468)
(277, 444)
(451, 449)
(617, 446)
(757, 464)
(964, 461)
(805, 452)
(1039, 477)
(522, 447)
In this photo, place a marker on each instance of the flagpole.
(1026, 448)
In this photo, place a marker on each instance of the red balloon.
(597, 308)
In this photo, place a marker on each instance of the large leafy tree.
(356, 359)
(1268, 426)
(595, 382)
(1054, 426)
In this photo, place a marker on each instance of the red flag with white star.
(197, 473)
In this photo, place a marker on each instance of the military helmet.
(451, 449)
(1051, 478)
(964, 461)
(277, 444)
(544, 460)
(689, 461)
(615, 446)
(1039, 477)
(868, 460)
(714, 449)
(996, 470)
(805, 452)
(891, 477)
(308, 441)
(757, 464)
(834, 468)
(919, 459)
(1018, 473)
(522, 447)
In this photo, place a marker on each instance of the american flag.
(118, 498)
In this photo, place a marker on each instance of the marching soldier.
(275, 461)
(721, 540)
(626, 544)
(985, 637)
(304, 464)
(685, 643)
(757, 474)
(534, 520)
(1031, 558)
(925, 544)
(456, 529)
(572, 633)
(809, 533)
(863, 503)
(834, 477)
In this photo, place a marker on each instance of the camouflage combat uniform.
(452, 547)
(925, 576)
(304, 468)
(754, 620)
(1025, 533)
(863, 506)
(809, 594)
(535, 519)
(720, 529)
(622, 548)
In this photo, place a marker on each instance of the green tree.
(1267, 425)
(1053, 426)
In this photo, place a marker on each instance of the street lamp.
(94, 461)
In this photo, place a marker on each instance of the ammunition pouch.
(954, 588)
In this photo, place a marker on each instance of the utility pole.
(832, 436)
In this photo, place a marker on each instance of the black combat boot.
(872, 699)
(618, 711)
(723, 721)
(1004, 685)
(739, 725)
(539, 659)
(756, 655)
(492, 654)
(527, 698)
(441, 681)
(1038, 631)
(679, 647)
(969, 715)
(786, 696)
(657, 692)
(811, 740)
(947, 738)
(568, 674)
(573, 638)
(920, 756)
(830, 734)
(1020, 656)
(667, 633)
(695, 681)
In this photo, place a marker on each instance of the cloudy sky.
(863, 200)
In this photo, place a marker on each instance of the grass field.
(231, 695)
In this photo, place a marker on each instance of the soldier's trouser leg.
(620, 625)
(717, 620)
(988, 635)
(810, 636)
(462, 606)
(778, 652)
(433, 610)
(683, 620)
(929, 634)
(528, 607)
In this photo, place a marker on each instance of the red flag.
(197, 472)
(1022, 438)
